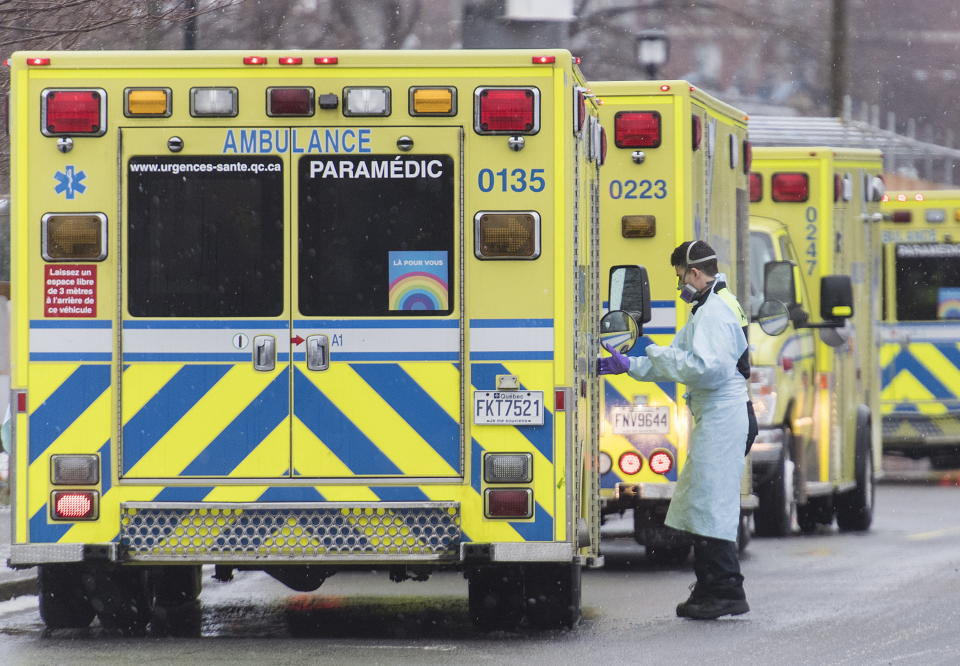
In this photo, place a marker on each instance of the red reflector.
(22, 403)
(290, 60)
(786, 363)
(73, 504)
(254, 60)
(603, 145)
(578, 60)
(747, 156)
(837, 186)
(326, 60)
(697, 132)
(902, 216)
(630, 462)
(661, 462)
(664, 87)
(581, 110)
(73, 112)
(290, 101)
(38, 61)
(791, 187)
(508, 503)
(637, 129)
(756, 187)
(544, 60)
(559, 400)
(507, 110)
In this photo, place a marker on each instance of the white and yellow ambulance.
(815, 239)
(303, 312)
(920, 329)
(676, 171)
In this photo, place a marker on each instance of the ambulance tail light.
(75, 504)
(21, 401)
(507, 111)
(637, 129)
(213, 102)
(74, 112)
(901, 216)
(747, 156)
(790, 187)
(366, 101)
(661, 461)
(605, 463)
(638, 226)
(507, 235)
(630, 463)
(763, 393)
(697, 132)
(508, 503)
(508, 468)
(68, 237)
(80, 470)
(756, 187)
(290, 101)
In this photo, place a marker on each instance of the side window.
(927, 281)
(761, 251)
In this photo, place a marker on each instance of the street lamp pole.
(653, 49)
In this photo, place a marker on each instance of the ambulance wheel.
(177, 611)
(855, 507)
(495, 594)
(552, 594)
(774, 515)
(63, 603)
(668, 555)
(817, 511)
(743, 532)
(123, 598)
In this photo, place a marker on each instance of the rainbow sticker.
(418, 281)
(948, 303)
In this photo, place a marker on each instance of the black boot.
(710, 608)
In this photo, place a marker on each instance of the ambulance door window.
(376, 235)
(205, 236)
(761, 252)
(927, 281)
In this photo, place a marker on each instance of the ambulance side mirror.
(836, 298)
(619, 330)
(779, 283)
(630, 292)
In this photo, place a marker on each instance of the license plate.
(641, 420)
(508, 407)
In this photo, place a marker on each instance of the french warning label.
(70, 290)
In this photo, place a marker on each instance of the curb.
(17, 583)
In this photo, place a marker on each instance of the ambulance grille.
(283, 532)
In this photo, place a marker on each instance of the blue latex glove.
(615, 364)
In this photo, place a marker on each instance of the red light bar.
(901, 216)
(918, 196)
(544, 60)
(73, 112)
(756, 187)
(790, 187)
(326, 60)
(290, 101)
(578, 59)
(509, 503)
(290, 60)
(74, 504)
(507, 111)
(38, 61)
(254, 60)
(637, 129)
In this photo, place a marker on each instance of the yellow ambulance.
(920, 329)
(814, 239)
(676, 171)
(303, 312)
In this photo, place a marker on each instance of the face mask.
(688, 293)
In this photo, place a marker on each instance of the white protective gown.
(703, 355)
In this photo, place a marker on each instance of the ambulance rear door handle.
(264, 353)
(318, 352)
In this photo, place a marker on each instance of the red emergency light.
(254, 60)
(35, 62)
(902, 216)
(544, 60)
(509, 503)
(326, 60)
(291, 60)
(665, 87)
(637, 129)
(507, 111)
(630, 462)
(75, 504)
(73, 112)
(756, 187)
(661, 462)
(790, 187)
(290, 101)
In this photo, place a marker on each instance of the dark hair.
(698, 251)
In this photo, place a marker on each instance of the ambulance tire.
(669, 555)
(855, 507)
(552, 595)
(63, 603)
(743, 532)
(495, 596)
(177, 611)
(774, 515)
(817, 511)
(123, 598)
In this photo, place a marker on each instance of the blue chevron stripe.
(43, 532)
(951, 352)
(290, 494)
(183, 494)
(484, 378)
(332, 426)
(166, 408)
(905, 361)
(416, 407)
(65, 405)
(640, 349)
(476, 465)
(106, 473)
(246, 432)
(541, 529)
(399, 493)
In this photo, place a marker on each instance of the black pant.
(717, 565)
(752, 428)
